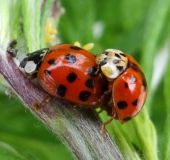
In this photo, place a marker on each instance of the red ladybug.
(127, 84)
(68, 72)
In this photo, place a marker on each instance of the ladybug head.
(112, 63)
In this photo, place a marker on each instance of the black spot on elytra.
(51, 61)
(120, 68)
(134, 67)
(90, 83)
(122, 104)
(71, 58)
(47, 73)
(115, 61)
(84, 95)
(103, 62)
(126, 85)
(135, 102)
(91, 71)
(71, 77)
(144, 85)
(61, 90)
(127, 119)
(75, 48)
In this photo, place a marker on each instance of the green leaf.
(4, 27)
(146, 133)
(166, 142)
(156, 20)
(31, 21)
(22, 136)
(76, 23)
(132, 141)
(14, 7)
(45, 14)
(122, 139)
(8, 152)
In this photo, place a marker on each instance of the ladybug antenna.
(24, 46)
(100, 49)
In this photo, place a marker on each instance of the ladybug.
(68, 72)
(127, 84)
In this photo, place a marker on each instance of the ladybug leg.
(32, 76)
(97, 71)
(77, 105)
(103, 129)
(38, 106)
(106, 93)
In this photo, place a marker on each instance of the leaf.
(8, 152)
(166, 135)
(31, 22)
(22, 135)
(156, 21)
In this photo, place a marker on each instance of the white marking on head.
(30, 67)
(44, 52)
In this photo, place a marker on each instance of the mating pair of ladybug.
(112, 80)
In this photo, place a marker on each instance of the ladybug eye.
(115, 61)
(103, 62)
(23, 62)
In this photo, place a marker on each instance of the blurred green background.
(140, 28)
